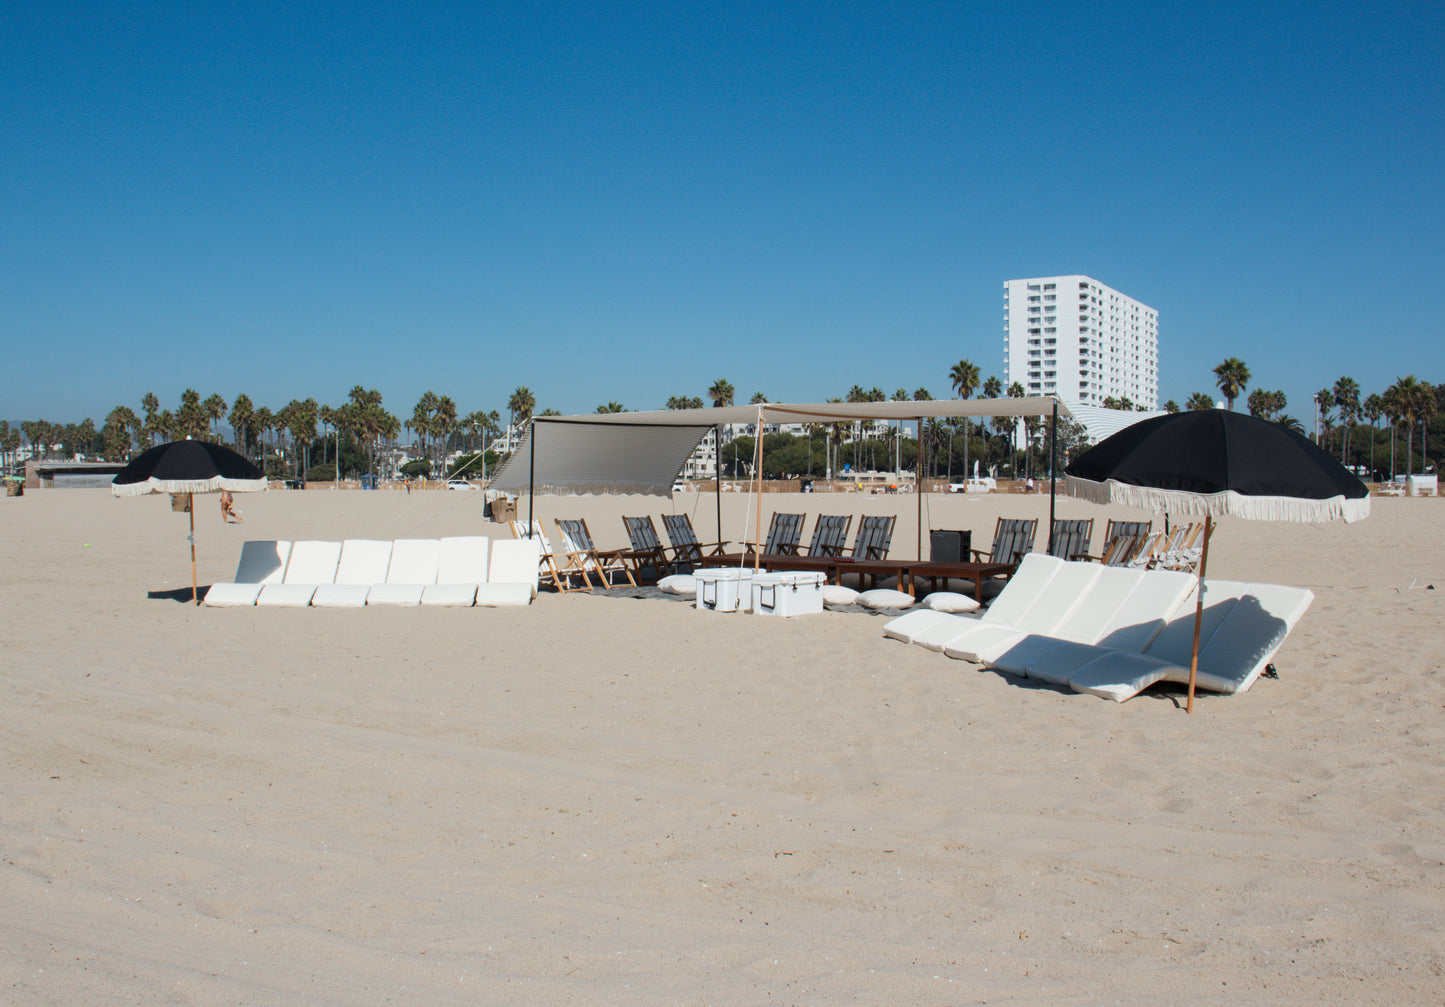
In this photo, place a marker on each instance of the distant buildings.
(1075, 338)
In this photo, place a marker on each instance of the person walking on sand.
(228, 508)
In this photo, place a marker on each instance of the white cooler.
(787, 593)
(724, 588)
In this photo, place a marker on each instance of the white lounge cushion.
(908, 626)
(395, 594)
(1016, 657)
(838, 596)
(363, 563)
(414, 563)
(983, 639)
(454, 595)
(1176, 640)
(286, 595)
(312, 563)
(262, 562)
(1253, 630)
(1023, 588)
(232, 595)
(1056, 665)
(882, 597)
(1090, 619)
(679, 583)
(340, 595)
(1118, 675)
(491, 595)
(1159, 597)
(515, 562)
(461, 567)
(951, 602)
(1051, 606)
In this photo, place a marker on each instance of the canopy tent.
(645, 452)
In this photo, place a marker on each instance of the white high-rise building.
(1075, 338)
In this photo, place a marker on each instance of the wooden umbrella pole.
(191, 510)
(1199, 612)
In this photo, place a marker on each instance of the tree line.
(310, 440)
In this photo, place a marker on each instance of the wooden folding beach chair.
(1070, 539)
(647, 549)
(875, 536)
(686, 549)
(1013, 538)
(783, 534)
(583, 553)
(566, 574)
(830, 535)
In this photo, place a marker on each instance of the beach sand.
(609, 800)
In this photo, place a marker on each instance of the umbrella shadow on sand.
(180, 594)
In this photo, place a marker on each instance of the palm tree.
(612, 407)
(301, 420)
(721, 393)
(1324, 402)
(370, 421)
(191, 417)
(1373, 408)
(258, 427)
(1231, 376)
(1347, 397)
(963, 376)
(241, 411)
(1171, 406)
(215, 408)
(1413, 401)
(151, 406)
(1199, 402)
(520, 406)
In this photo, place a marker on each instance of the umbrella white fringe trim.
(1228, 503)
(213, 485)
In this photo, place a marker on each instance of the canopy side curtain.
(575, 456)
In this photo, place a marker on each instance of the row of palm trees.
(438, 428)
(1404, 405)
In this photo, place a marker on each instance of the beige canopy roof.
(824, 412)
(644, 452)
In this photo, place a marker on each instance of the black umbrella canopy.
(188, 467)
(1216, 462)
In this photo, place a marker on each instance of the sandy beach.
(612, 800)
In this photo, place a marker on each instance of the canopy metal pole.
(532, 481)
(1053, 469)
(717, 474)
(758, 475)
(918, 479)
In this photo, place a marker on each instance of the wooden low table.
(976, 572)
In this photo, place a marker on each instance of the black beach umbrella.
(188, 467)
(1212, 463)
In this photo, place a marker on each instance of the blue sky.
(626, 202)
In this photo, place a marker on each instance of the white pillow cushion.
(838, 596)
(950, 601)
(678, 583)
(883, 597)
